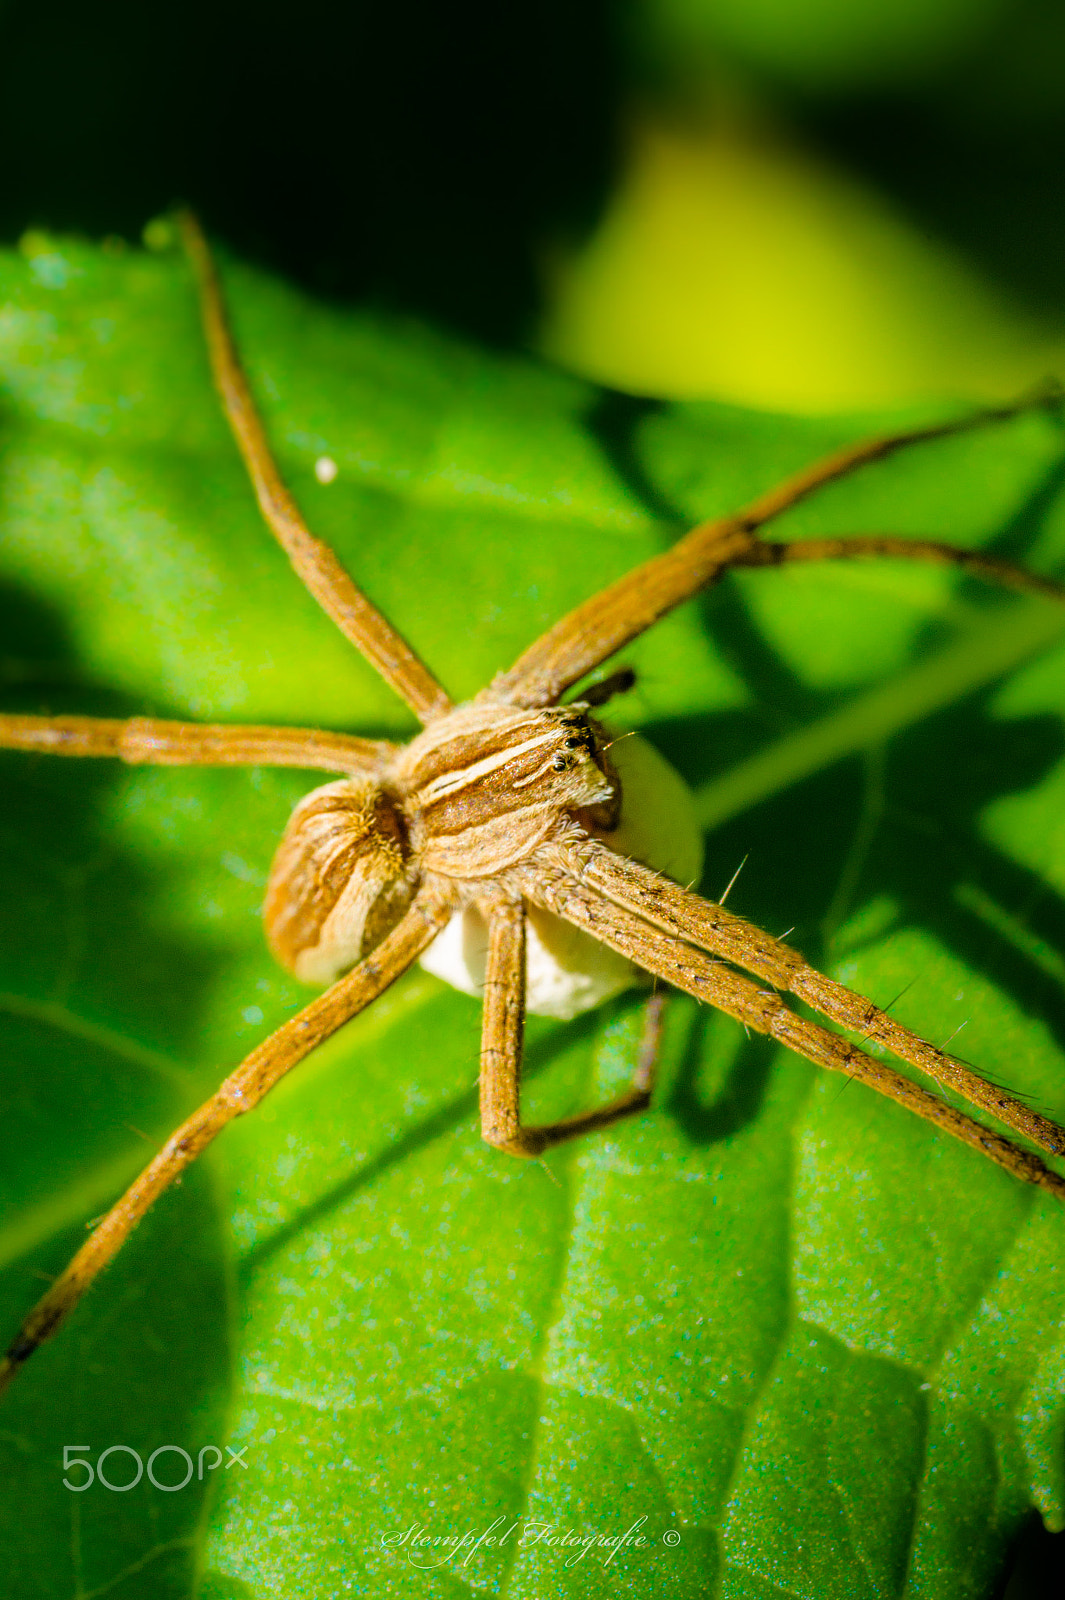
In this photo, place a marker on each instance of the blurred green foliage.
(953, 110)
(428, 155)
(820, 46)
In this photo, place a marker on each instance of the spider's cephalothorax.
(485, 785)
(473, 795)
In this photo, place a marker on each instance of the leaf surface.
(786, 1339)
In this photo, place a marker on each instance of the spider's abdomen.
(339, 881)
(483, 786)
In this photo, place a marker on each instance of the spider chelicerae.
(511, 809)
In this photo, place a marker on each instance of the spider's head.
(573, 771)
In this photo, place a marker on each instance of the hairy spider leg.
(710, 927)
(710, 979)
(599, 627)
(241, 1092)
(144, 740)
(319, 570)
(502, 1039)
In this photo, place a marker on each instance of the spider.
(510, 806)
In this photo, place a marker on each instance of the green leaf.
(784, 1336)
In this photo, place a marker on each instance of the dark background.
(424, 154)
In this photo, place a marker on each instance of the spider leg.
(654, 1013)
(775, 553)
(240, 1093)
(599, 627)
(710, 927)
(763, 1010)
(620, 682)
(502, 1040)
(841, 463)
(179, 744)
(315, 563)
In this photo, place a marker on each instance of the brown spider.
(507, 804)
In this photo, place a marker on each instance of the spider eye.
(559, 765)
(573, 744)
